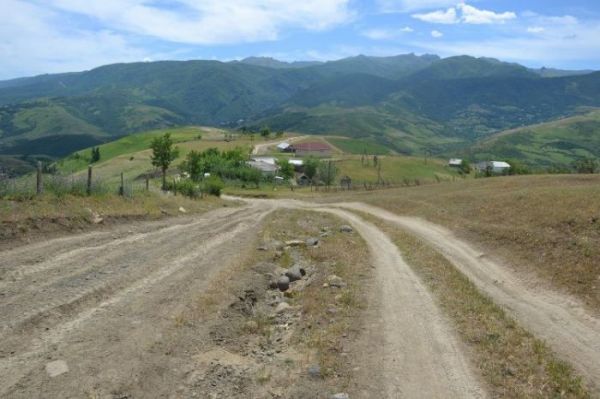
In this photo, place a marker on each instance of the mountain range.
(412, 104)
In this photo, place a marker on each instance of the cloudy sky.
(47, 36)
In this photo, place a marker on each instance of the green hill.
(557, 143)
(410, 104)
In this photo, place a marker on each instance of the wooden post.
(39, 187)
(89, 181)
(122, 188)
(147, 183)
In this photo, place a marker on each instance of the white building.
(455, 162)
(498, 167)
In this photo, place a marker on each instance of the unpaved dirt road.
(570, 329)
(422, 357)
(102, 302)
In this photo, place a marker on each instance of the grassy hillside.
(554, 143)
(354, 146)
(410, 104)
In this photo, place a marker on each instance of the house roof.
(269, 160)
(455, 161)
(263, 166)
(283, 146)
(500, 164)
(312, 146)
(297, 162)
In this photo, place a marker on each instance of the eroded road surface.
(102, 303)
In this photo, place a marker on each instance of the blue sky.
(49, 36)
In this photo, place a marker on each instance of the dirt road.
(570, 329)
(422, 358)
(103, 303)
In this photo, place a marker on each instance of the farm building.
(455, 162)
(316, 148)
(498, 167)
(264, 167)
(285, 147)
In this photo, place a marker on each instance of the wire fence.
(30, 186)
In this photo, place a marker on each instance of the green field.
(396, 169)
(354, 146)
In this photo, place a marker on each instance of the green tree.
(328, 172)
(95, 155)
(286, 169)
(194, 165)
(163, 153)
(265, 132)
(465, 167)
(586, 165)
(311, 166)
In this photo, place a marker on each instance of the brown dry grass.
(512, 362)
(50, 214)
(323, 334)
(547, 225)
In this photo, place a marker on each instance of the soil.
(563, 321)
(103, 314)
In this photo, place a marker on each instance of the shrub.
(213, 186)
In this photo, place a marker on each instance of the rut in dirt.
(83, 298)
(571, 330)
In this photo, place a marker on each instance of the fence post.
(174, 187)
(122, 187)
(39, 187)
(89, 181)
(147, 183)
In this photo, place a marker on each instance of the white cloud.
(472, 15)
(436, 34)
(36, 40)
(385, 34)
(390, 6)
(535, 29)
(560, 46)
(439, 17)
(212, 22)
(468, 15)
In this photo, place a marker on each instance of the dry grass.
(49, 213)
(547, 225)
(322, 332)
(512, 362)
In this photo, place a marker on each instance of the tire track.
(15, 367)
(560, 320)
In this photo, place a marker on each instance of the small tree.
(265, 132)
(194, 165)
(328, 172)
(279, 134)
(586, 165)
(95, 155)
(311, 166)
(286, 169)
(465, 167)
(163, 153)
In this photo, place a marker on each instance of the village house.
(314, 148)
(496, 167)
(455, 162)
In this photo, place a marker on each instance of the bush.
(213, 186)
(185, 187)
